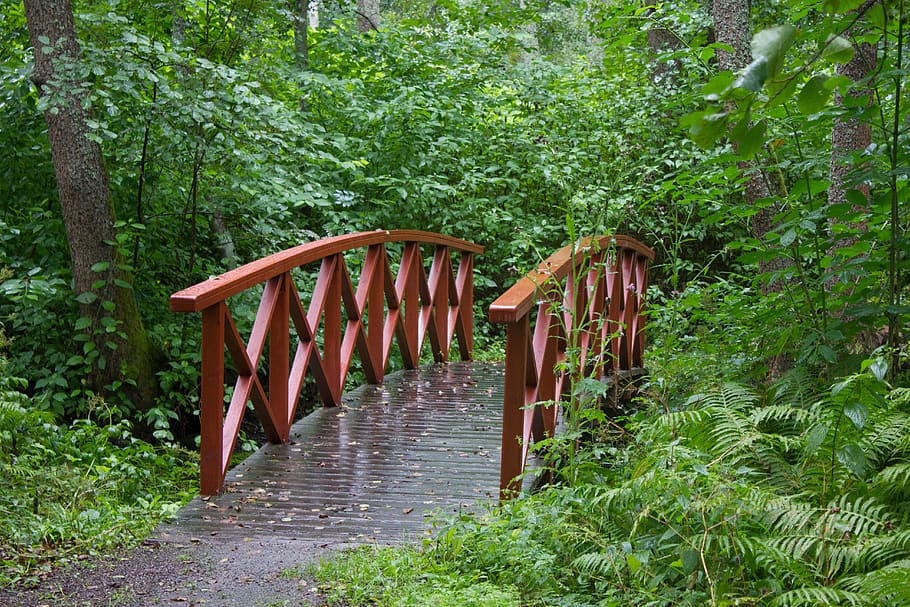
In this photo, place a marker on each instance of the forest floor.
(192, 574)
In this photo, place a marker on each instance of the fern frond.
(856, 516)
(818, 595)
(888, 439)
(884, 549)
(797, 388)
(788, 517)
(894, 481)
(780, 563)
(886, 586)
(601, 564)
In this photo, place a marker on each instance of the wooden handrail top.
(521, 297)
(218, 288)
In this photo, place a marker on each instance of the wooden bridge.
(443, 436)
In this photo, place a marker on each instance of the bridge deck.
(370, 470)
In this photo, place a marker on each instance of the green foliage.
(404, 577)
(736, 498)
(86, 488)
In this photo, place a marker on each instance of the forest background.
(761, 151)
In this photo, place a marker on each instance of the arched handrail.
(338, 321)
(590, 293)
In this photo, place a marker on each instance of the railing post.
(211, 407)
(407, 284)
(513, 406)
(465, 282)
(279, 359)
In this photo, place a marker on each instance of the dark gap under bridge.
(371, 464)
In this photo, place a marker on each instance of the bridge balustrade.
(340, 320)
(586, 298)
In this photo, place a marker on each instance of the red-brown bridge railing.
(340, 320)
(589, 295)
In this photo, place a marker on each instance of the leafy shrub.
(85, 488)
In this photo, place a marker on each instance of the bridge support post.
(211, 406)
(513, 412)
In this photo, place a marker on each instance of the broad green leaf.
(787, 239)
(772, 44)
(814, 95)
(87, 297)
(101, 266)
(706, 128)
(714, 88)
(879, 368)
(633, 562)
(780, 91)
(857, 413)
(856, 197)
(842, 6)
(82, 323)
(752, 140)
(815, 438)
(690, 560)
(753, 77)
(853, 458)
(838, 50)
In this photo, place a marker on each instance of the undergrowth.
(788, 496)
(86, 488)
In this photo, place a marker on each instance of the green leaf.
(814, 95)
(780, 91)
(853, 458)
(752, 140)
(715, 88)
(788, 238)
(753, 77)
(101, 266)
(690, 560)
(82, 323)
(856, 197)
(772, 44)
(87, 297)
(857, 413)
(706, 128)
(633, 562)
(879, 368)
(838, 50)
(815, 437)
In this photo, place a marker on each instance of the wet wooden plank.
(372, 470)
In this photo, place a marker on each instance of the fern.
(818, 595)
(886, 586)
(894, 481)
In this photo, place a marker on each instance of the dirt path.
(183, 574)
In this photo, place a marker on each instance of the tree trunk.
(731, 26)
(661, 40)
(301, 26)
(850, 135)
(367, 15)
(100, 283)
